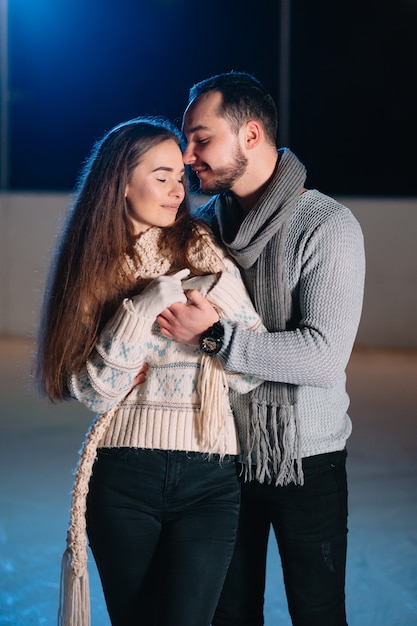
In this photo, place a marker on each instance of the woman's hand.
(141, 377)
(159, 294)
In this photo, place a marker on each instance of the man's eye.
(162, 180)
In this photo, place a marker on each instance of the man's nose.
(188, 156)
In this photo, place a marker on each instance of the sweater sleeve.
(119, 354)
(326, 270)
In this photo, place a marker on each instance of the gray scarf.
(258, 245)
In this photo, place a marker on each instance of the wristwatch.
(211, 341)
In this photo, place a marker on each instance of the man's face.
(213, 149)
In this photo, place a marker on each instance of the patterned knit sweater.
(325, 268)
(163, 412)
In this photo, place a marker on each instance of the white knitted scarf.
(155, 260)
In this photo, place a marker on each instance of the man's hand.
(186, 322)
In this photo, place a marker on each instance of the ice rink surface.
(39, 445)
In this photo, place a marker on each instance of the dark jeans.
(310, 525)
(162, 527)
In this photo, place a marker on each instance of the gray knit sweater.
(325, 269)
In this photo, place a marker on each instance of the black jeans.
(162, 527)
(310, 525)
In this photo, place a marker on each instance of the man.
(302, 258)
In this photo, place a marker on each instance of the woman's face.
(156, 187)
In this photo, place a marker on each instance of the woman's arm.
(122, 348)
(120, 353)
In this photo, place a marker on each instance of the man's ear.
(253, 134)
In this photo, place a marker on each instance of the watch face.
(212, 340)
(210, 344)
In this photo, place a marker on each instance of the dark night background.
(78, 67)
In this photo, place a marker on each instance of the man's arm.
(314, 354)
(186, 322)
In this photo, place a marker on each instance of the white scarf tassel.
(213, 390)
(74, 600)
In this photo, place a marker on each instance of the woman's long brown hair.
(87, 278)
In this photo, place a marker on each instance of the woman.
(156, 483)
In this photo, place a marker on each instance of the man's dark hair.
(243, 99)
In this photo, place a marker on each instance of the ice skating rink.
(38, 451)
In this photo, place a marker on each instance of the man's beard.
(223, 178)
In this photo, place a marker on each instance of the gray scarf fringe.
(270, 455)
(270, 447)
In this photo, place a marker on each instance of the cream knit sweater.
(163, 412)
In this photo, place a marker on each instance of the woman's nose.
(178, 190)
